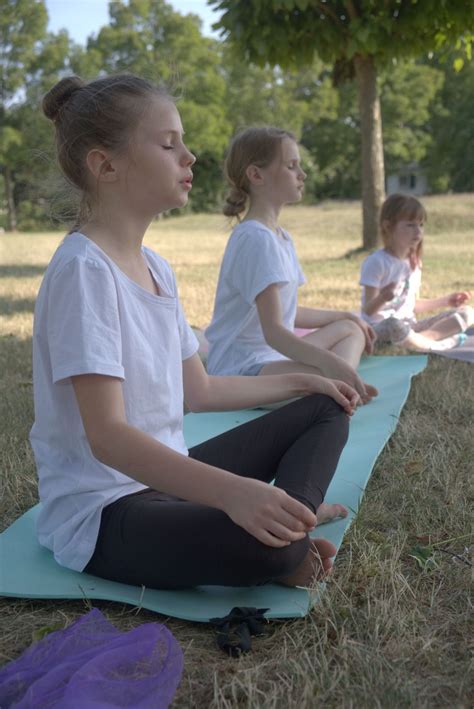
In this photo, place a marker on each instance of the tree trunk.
(11, 210)
(373, 173)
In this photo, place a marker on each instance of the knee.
(350, 329)
(324, 410)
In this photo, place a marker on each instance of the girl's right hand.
(268, 513)
(388, 291)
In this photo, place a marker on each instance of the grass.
(391, 630)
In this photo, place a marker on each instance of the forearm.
(300, 350)
(311, 318)
(227, 393)
(374, 304)
(142, 458)
(424, 305)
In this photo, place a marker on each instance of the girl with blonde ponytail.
(256, 307)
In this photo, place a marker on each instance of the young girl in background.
(391, 278)
(114, 358)
(256, 306)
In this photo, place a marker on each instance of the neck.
(396, 252)
(265, 213)
(119, 235)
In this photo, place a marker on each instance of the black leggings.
(159, 541)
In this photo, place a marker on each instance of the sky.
(81, 18)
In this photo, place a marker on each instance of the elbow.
(100, 452)
(197, 402)
(195, 406)
(102, 446)
(272, 336)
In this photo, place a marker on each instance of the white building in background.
(410, 179)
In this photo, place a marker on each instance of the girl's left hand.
(342, 393)
(458, 298)
(369, 333)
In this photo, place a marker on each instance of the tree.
(151, 39)
(357, 37)
(22, 26)
(451, 157)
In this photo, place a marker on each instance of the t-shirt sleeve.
(84, 334)
(256, 264)
(189, 341)
(371, 272)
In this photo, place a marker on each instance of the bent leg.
(158, 541)
(446, 324)
(153, 540)
(297, 445)
(343, 337)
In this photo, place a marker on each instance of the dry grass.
(387, 633)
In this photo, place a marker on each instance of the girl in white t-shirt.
(114, 360)
(256, 307)
(391, 279)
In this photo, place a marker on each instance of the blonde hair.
(251, 146)
(394, 209)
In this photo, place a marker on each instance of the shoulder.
(378, 256)
(376, 260)
(252, 243)
(251, 231)
(77, 253)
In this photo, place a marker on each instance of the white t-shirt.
(255, 257)
(381, 268)
(90, 318)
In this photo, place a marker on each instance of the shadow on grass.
(21, 270)
(8, 306)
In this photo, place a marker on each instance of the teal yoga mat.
(27, 570)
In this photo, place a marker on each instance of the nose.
(188, 158)
(303, 175)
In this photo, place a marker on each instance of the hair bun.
(59, 95)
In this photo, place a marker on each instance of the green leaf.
(424, 557)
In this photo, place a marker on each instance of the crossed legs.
(159, 541)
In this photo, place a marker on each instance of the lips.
(187, 183)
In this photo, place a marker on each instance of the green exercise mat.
(27, 570)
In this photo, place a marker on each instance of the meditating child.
(391, 278)
(256, 306)
(113, 359)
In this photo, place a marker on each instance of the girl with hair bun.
(114, 360)
(256, 306)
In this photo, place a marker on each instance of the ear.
(386, 226)
(101, 166)
(254, 175)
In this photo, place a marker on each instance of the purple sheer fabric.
(92, 665)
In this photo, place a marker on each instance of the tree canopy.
(357, 37)
(426, 105)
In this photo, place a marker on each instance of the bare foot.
(316, 565)
(326, 513)
(371, 392)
